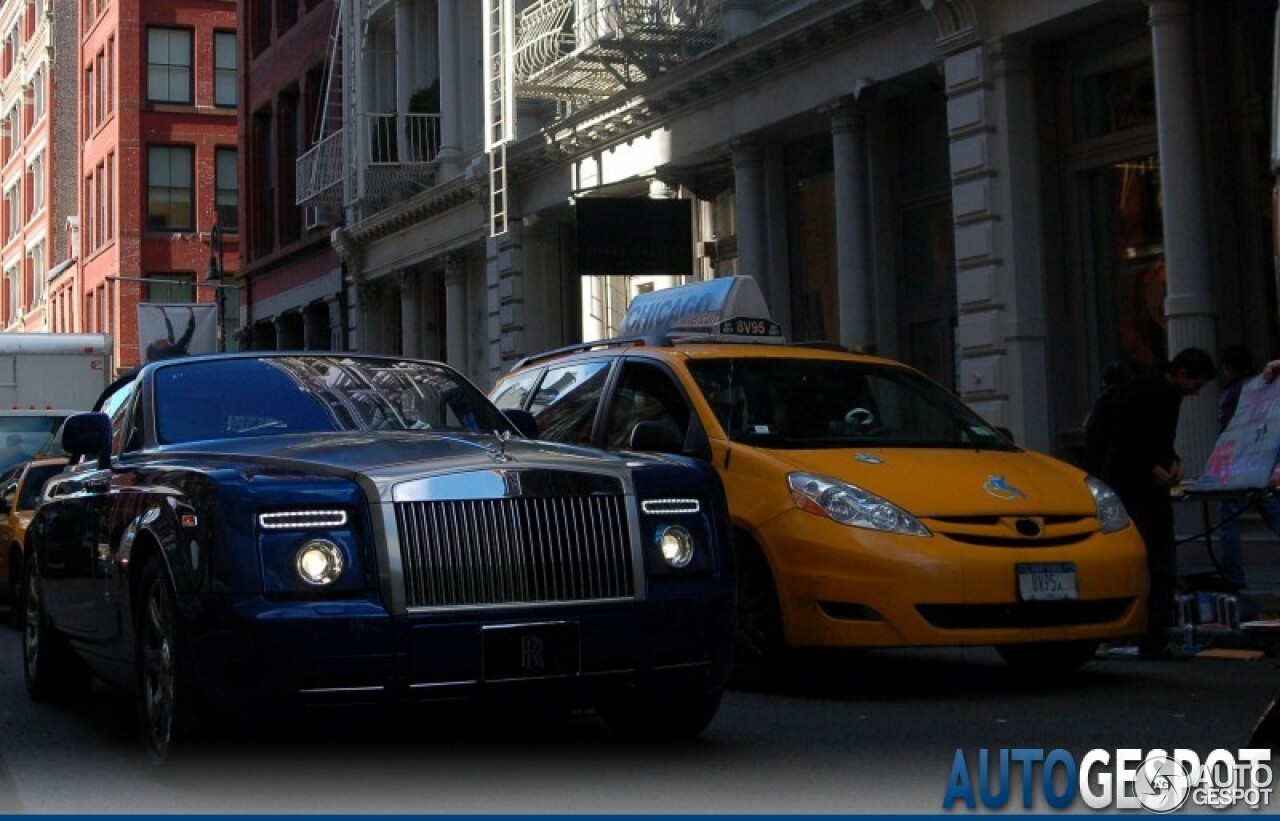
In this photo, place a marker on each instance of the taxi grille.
(515, 551)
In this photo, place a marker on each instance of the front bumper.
(250, 650)
(848, 587)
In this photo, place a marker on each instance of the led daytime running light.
(301, 519)
(658, 507)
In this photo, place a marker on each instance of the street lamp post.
(214, 274)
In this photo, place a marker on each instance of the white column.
(848, 139)
(450, 79)
(404, 72)
(748, 180)
(455, 312)
(1189, 305)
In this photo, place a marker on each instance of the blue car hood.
(396, 451)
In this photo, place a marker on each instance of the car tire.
(675, 719)
(169, 705)
(15, 588)
(1048, 657)
(50, 669)
(759, 646)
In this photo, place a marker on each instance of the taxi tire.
(169, 706)
(50, 669)
(759, 643)
(1048, 657)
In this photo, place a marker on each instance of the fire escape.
(574, 53)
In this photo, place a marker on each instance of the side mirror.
(88, 434)
(656, 437)
(524, 422)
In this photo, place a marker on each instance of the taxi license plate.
(1047, 582)
(530, 650)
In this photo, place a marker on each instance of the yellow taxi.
(20, 490)
(871, 508)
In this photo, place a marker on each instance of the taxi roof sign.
(698, 308)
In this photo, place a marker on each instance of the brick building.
(156, 120)
(292, 279)
(33, 206)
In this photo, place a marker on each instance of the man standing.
(1142, 466)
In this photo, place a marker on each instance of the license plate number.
(1047, 582)
(530, 651)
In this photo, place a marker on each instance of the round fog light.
(319, 562)
(676, 544)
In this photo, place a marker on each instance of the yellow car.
(871, 508)
(19, 495)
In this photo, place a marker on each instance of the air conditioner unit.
(315, 216)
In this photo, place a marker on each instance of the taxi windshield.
(822, 403)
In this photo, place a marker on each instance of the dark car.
(240, 530)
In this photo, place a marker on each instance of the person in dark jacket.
(1097, 425)
(1142, 467)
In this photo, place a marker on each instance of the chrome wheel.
(156, 641)
(169, 705)
(31, 627)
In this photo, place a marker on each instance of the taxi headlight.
(851, 505)
(1111, 513)
(677, 546)
(319, 562)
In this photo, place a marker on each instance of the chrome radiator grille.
(516, 550)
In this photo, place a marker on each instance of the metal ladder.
(499, 40)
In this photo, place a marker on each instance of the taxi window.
(566, 400)
(645, 393)
(514, 392)
(823, 403)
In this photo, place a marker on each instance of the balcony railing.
(396, 139)
(319, 173)
(617, 43)
(401, 157)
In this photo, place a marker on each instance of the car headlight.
(850, 505)
(1111, 513)
(319, 562)
(677, 546)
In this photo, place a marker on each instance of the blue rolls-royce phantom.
(319, 527)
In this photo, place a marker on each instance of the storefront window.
(1115, 100)
(1125, 271)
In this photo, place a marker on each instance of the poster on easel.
(1244, 457)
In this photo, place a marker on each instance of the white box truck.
(44, 378)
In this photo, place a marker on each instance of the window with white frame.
(12, 211)
(37, 265)
(36, 182)
(37, 95)
(11, 287)
(168, 65)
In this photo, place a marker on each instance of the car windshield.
(823, 403)
(238, 397)
(24, 437)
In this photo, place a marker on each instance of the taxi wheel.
(169, 707)
(1048, 656)
(50, 670)
(759, 652)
